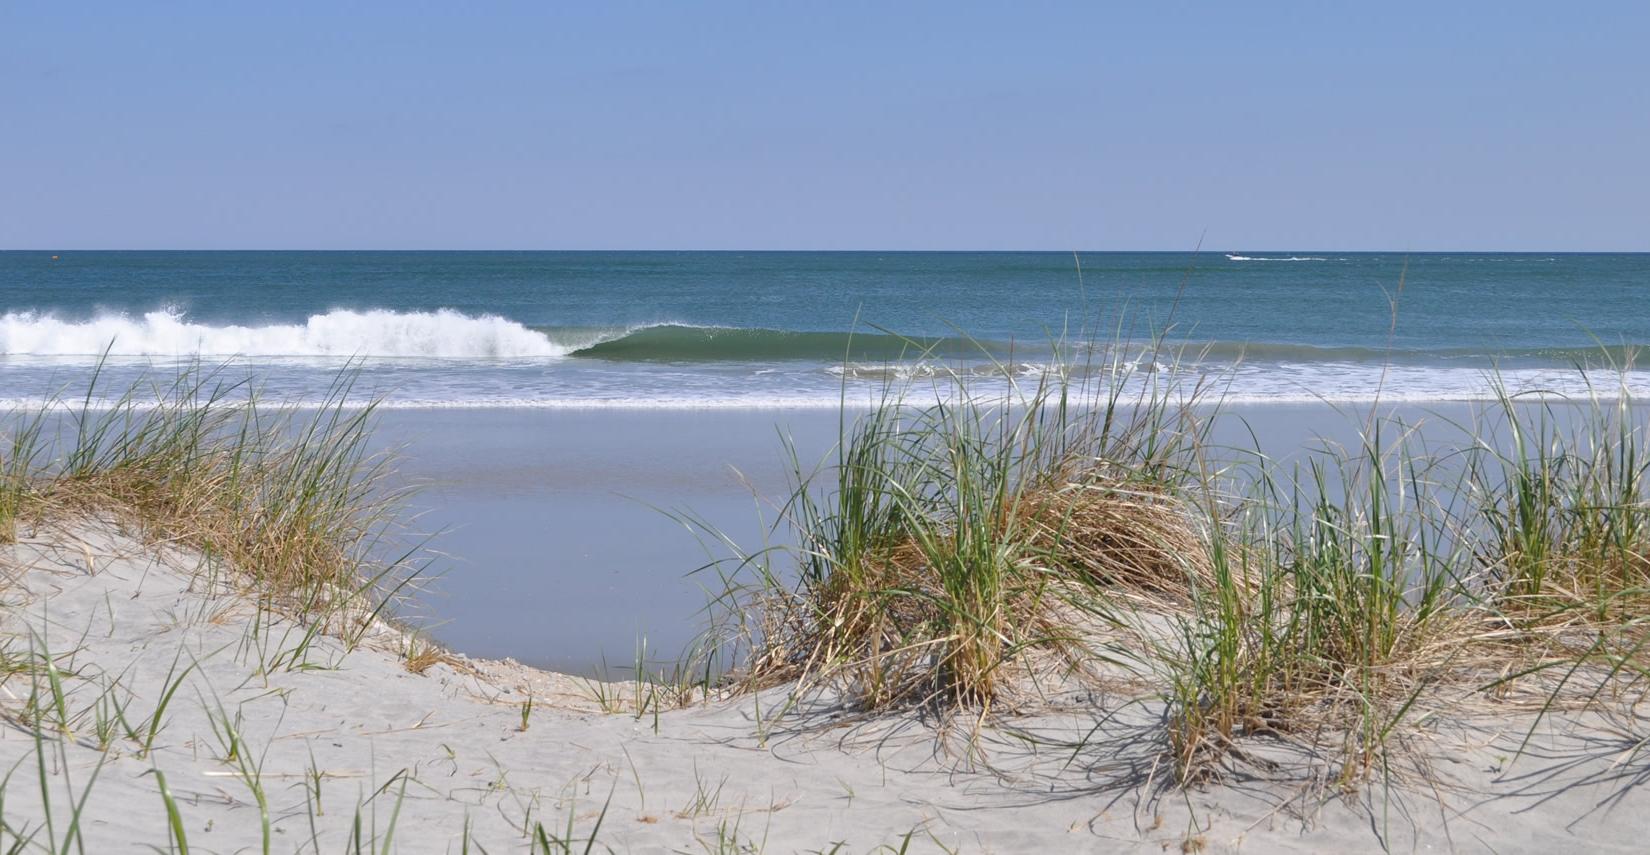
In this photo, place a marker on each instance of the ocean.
(808, 329)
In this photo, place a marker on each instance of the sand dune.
(351, 749)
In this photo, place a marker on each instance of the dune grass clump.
(1337, 603)
(1568, 513)
(1563, 518)
(295, 500)
(19, 453)
(945, 551)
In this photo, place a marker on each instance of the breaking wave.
(339, 333)
(449, 334)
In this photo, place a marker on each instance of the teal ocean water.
(798, 329)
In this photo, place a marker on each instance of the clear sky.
(886, 125)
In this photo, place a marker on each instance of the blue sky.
(825, 126)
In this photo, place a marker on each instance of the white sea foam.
(1326, 386)
(923, 370)
(442, 334)
(1235, 257)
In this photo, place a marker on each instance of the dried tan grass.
(293, 501)
(1119, 535)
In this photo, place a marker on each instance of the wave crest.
(340, 333)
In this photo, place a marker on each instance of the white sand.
(448, 745)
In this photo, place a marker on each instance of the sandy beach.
(352, 751)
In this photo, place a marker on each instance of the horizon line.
(1222, 252)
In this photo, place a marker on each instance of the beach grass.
(945, 540)
(1339, 597)
(294, 501)
(1569, 516)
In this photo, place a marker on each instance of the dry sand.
(447, 746)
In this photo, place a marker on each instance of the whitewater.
(443, 334)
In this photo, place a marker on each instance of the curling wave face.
(687, 343)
